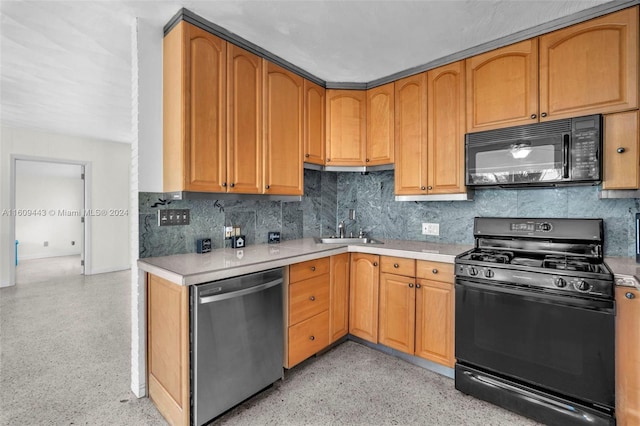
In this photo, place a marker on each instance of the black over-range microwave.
(553, 153)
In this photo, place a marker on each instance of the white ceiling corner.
(65, 66)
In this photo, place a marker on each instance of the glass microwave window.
(518, 162)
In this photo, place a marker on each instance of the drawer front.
(308, 298)
(304, 270)
(437, 271)
(308, 337)
(398, 266)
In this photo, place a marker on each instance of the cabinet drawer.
(437, 271)
(308, 298)
(398, 266)
(308, 337)
(311, 268)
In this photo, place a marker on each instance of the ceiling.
(65, 66)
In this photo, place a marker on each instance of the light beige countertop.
(193, 268)
(625, 270)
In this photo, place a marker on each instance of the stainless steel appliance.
(237, 341)
(553, 153)
(534, 320)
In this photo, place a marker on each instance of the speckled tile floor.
(39, 270)
(64, 360)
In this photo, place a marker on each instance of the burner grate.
(492, 256)
(565, 263)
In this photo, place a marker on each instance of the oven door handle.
(606, 306)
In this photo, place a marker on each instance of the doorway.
(49, 223)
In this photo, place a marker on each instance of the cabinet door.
(411, 135)
(380, 125)
(434, 322)
(207, 107)
(283, 104)
(363, 296)
(346, 127)
(590, 67)
(627, 356)
(397, 312)
(314, 123)
(194, 109)
(244, 128)
(502, 87)
(339, 297)
(621, 153)
(168, 348)
(446, 129)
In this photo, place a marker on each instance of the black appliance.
(534, 320)
(553, 153)
(637, 237)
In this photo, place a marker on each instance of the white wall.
(109, 167)
(61, 231)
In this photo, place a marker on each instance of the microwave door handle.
(565, 156)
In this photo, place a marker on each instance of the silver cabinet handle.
(375, 263)
(620, 150)
(434, 270)
(312, 337)
(410, 285)
(418, 286)
(629, 295)
(312, 298)
(395, 265)
(243, 292)
(313, 269)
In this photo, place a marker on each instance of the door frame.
(86, 243)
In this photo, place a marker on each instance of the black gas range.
(535, 319)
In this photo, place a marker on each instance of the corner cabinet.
(194, 110)
(314, 123)
(363, 296)
(627, 356)
(346, 127)
(283, 123)
(587, 68)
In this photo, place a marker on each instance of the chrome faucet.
(341, 229)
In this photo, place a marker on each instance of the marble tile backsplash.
(329, 196)
(381, 216)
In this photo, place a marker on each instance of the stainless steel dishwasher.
(237, 341)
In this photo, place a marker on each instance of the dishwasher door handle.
(238, 293)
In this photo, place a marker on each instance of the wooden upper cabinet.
(591, 67)
(411, 135)
(314, 123)
(194, 99)
(346, 127)
(380, 125)
(283, 105)
(244, 126)
(502, 87)
(621, 151)
(446, 129)
(363, 296)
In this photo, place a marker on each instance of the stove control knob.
(473, 271)
(582, 285)
(489, 273)
(560, 282)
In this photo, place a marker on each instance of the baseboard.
(46, 256)
(96, 271)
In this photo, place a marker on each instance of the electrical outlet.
(228, 232)
(430, 228)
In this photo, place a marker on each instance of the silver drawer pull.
(312, 337)
(312, 298)
(313, 269)
(629, 295)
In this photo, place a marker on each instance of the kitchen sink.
(336, 240)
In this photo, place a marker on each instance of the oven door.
(560, 344)
(540, 160)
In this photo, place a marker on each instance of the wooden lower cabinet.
(416, 314)
(627, 356)
(339, 297)
(307, 338)
(168, 349)
(363, 296)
